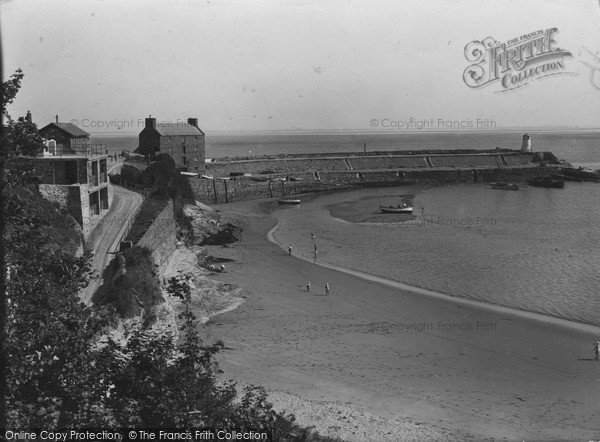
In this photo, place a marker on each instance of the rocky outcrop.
(208, 227)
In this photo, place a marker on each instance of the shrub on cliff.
(136, 289)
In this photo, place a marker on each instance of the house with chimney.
(183, 141)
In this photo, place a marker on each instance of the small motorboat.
(400, 208)
(547, 181)
(207, 177)
(289, 201)
(503, 185)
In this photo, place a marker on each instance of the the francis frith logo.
(514, 63)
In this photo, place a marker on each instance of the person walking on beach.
(308, 286)
(327, 288)
(597, 350)
(316, 250)
(290, 250)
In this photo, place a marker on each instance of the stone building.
(184, 142)
(73, 173)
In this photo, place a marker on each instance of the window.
(184, 160)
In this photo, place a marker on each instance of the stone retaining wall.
(161, 237)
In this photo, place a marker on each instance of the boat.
(547, 181)
(207, 177)
(400, 208)
(289, 201)
(503, 185)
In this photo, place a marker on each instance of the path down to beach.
(106, 238)
(383, 362)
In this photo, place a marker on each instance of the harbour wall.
(217, 191)
(381, 161)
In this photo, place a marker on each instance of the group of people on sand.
(308, 285)
(327, 290)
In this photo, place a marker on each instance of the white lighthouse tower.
(526, 146)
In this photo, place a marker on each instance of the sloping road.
(107, 236)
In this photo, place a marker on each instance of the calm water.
(535, 249)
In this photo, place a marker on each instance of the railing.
(87, 150)
(144, 190)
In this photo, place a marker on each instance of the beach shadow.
(587, 359)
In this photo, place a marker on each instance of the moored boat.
(503, 185)
(551, 181)
(400, 208)
(289, 201)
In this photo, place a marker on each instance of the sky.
(282, 65)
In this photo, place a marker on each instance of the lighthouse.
(526, 146)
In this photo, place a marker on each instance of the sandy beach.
(374, 361)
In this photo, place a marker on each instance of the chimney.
(28, 117)
(57, 119)
(526, 146)
(150, 122)
(193, 122)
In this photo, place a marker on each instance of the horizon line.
(374, 132)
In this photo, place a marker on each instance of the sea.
(534, 249)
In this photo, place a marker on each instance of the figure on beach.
(316, 250)
(308, 286)
(312, 235)
(222, 268)
(290, 250)
(597, 350)
(327, 288)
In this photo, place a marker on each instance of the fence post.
(215, 190)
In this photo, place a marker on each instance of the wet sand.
(396, 362)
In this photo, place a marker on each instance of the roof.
(69, 128)
(179, 128)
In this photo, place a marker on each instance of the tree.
(9, 90)
(21, 137)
